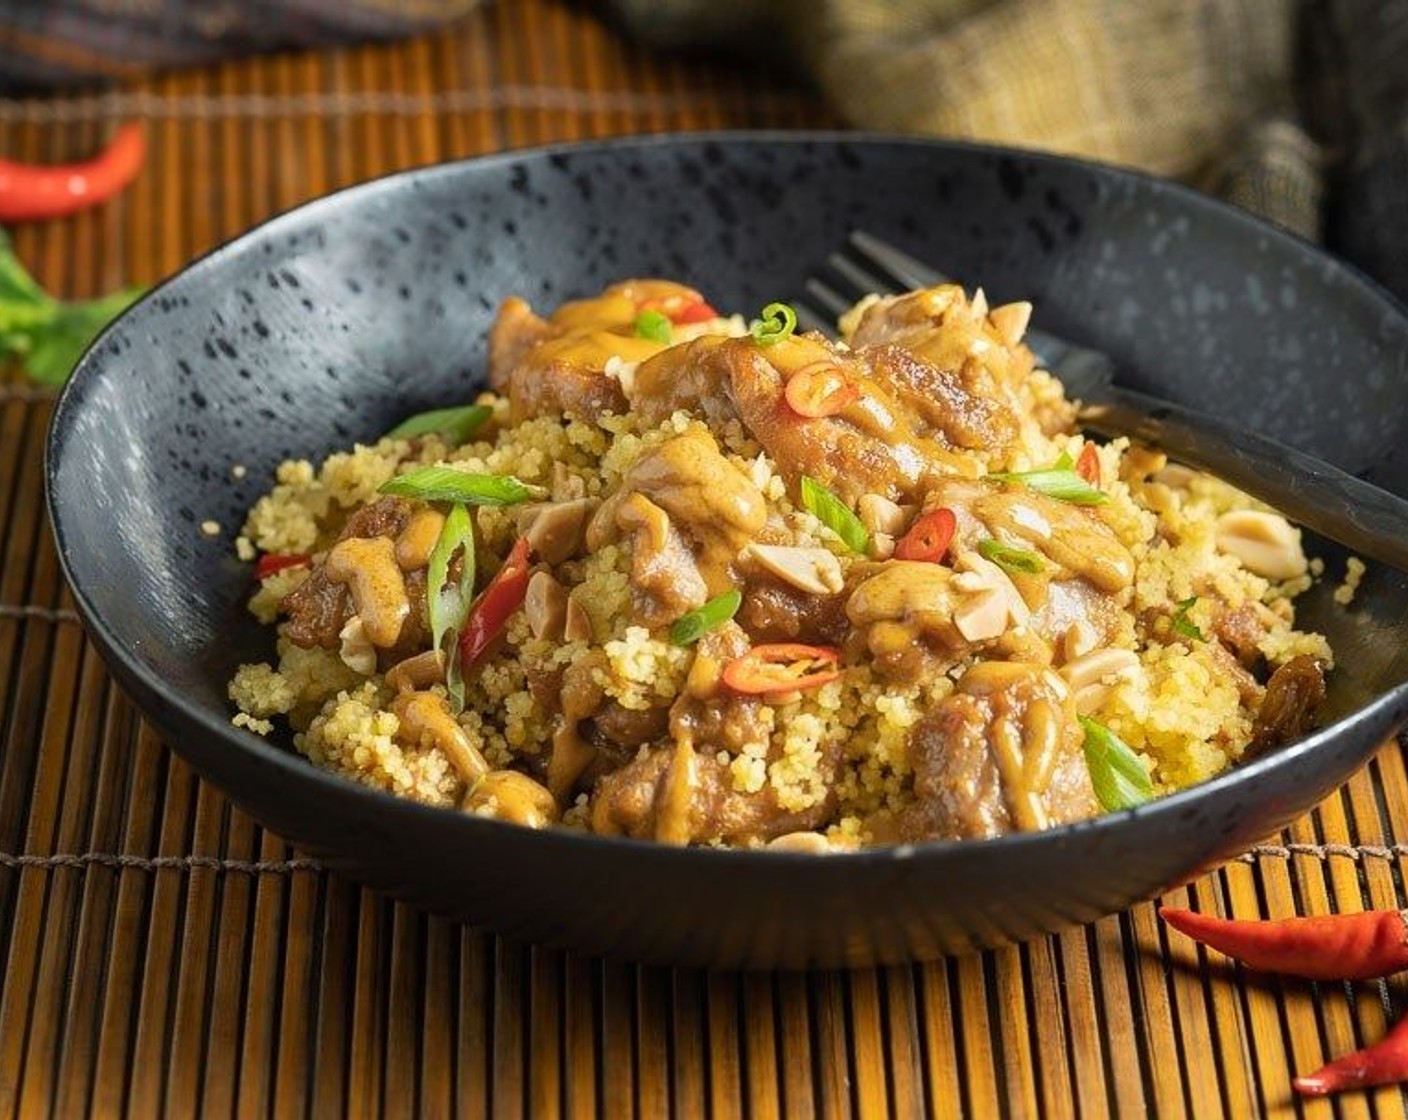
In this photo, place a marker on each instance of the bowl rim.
(298, 768)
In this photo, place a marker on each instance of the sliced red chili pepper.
(929, 537)
(1329, 947)
(681, 310)
(782, 667)
(491, 611)
(1088, 465)
(29, 192)
(820, 391)
(272, 562)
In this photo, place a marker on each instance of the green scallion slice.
(827, 508)
(1185, 626)
(1058, 481)
(455, 424)
(654, 325)
(445, 484)
(447, 601)
(776, 322)
(1009, 558)
(689, 628)
(1116, 772)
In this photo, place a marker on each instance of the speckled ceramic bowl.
(327, 324)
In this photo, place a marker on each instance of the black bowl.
(328, 324)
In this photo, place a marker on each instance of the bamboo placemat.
(165, 956)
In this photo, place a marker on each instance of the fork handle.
(1358, 514)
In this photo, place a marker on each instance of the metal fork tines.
(866, 265)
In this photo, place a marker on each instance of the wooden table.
(165, 956)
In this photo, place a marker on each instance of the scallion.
(1185, 626)
(445, 484)
(447, 601)
(455, 424)
(1116, 772)
(654, 325)
(1058, 481)
(775, 323)
(827, 508)
(1009, 558)
(689, 628)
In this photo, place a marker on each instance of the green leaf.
(1008, 558)
(689, 628)
(447, 602)
(445, 484)
(1116, 772)
(827, 508)
(455, 424)
(48, 336)
(55, 347)
(654, 325)
(1059, 481)
(1185, 626)
(775, 323)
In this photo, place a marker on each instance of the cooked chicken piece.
(905, 611)
(319, 607)
(691, 512)
(560, 364)
(1003, 753)
(1293, 694)
(774, 611)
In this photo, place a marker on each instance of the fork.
(1323, 498)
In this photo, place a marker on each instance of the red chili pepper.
(821, 390)
(1334, 947)
(1383, 1063)
(272, 562)
(928, 538)
(1088, 465)
(783, 667)
(29, 191)
(681, 310)
(498, 601)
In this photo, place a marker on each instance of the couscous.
(683, 577)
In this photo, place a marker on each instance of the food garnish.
(1061, 480)
(492, 610)
(445, 484)
(29, 192)
(654, 325)
(928, 538)
(447, 600)
(782, 667)
(1185, 626)
(273, 562)
(44, 335)
(1088, 464)
(820, 390)
(455, 424)
(1009, 557)
(827, 508)
(777, 321)
(689, 628)
(1334, 947)
(1118, 776)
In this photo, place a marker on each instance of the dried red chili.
(491, 611)
(1383, 1063)
(1333, 947)
(928, 538)
(821, 390)
(782, 667)
(29, 192)
(272, 562)
(1088, 465)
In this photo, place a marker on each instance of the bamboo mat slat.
(164, 956)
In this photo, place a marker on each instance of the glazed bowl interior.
(327, 325)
